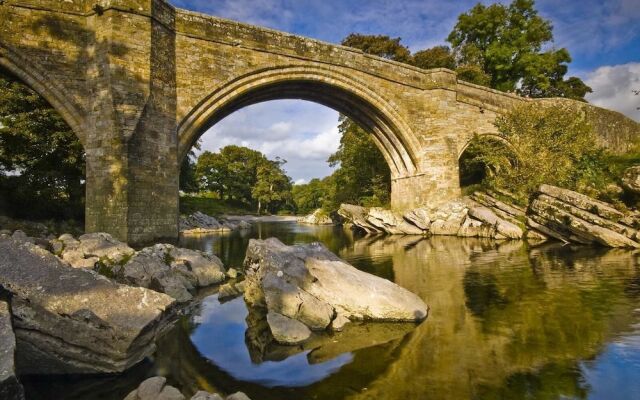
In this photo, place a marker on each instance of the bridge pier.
(431, 187)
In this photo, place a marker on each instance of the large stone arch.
(37, 79)
(320, 85)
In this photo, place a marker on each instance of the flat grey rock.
(69, 320)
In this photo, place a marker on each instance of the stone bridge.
(139, 81)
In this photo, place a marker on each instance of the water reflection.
(507, 322)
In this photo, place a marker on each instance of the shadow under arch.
(323, 86)
(470, 170)
(53, 93)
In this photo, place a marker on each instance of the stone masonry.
(139, 81)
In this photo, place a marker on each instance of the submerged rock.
(286, 330)
(310, 284)
(10, 387)
(70, 320)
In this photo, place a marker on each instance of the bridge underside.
(139, 81)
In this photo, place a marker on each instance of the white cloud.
(303, 133)
(612, 88)
(300, 181)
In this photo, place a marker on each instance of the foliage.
(188, 181)
(42, 165)
(506, 42)
(240, 174)
(379, 45)
(435, 57)
(363, 176)
(273, 187)
(549, 145)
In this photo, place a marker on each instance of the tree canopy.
(507, 42)
(507, 47)
(244, 175)
(42, 165)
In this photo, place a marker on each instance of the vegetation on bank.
(551, 145)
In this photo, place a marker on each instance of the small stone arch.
(37, 80)
(492, 136)
(321, 85)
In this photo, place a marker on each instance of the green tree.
(273, 187)
(42, 164)
(506, 42)
(188, 180)
(379, 45)
(231, 173)
(313, 195)
(435, 57)
(363, 176)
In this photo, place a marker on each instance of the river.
(507, 321)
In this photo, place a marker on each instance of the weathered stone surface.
(238, 396)
(286, 330)
(310, 284)
(89, 249)
(357, 215)
(582, 201)
(573, 217)
(68, 320)
(391, 222)
(202, 395)
(631, 179)
(318, 217)
(10, 387)
(230, 291)
(171, 270)
(198, 223)
(503, 227)
(420, 217)
(155, 388)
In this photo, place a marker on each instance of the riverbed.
(507, 321)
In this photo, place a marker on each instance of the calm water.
(507, 321)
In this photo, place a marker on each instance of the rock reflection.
(507, 321)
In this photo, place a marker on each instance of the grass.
(212, 206)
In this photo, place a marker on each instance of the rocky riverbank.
(199, 223)
(553, 214)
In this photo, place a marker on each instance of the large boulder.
(171, 270)
(573, 217)
(310, 284)
(70, 320)
(10, 387)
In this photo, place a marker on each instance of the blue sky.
(603, 37)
